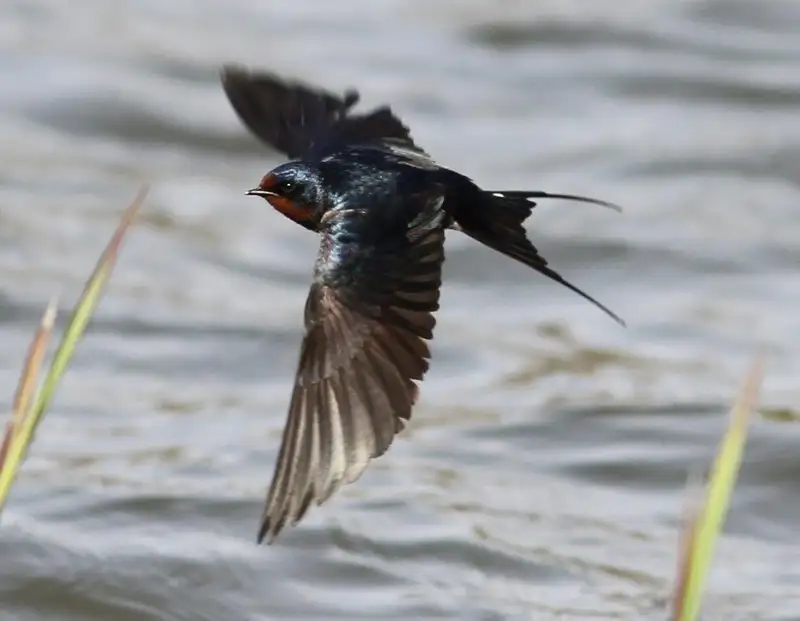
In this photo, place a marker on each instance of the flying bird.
(380, 206)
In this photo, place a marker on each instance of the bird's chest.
(360, 249)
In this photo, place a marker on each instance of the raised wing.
(365, 345)
(300, 120)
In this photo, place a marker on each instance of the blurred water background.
(543, 474)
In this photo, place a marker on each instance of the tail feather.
(497, 223)
(528, 196)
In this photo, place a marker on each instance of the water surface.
(543, 473)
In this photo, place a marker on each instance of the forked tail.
(497, 223)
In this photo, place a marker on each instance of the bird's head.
(293, 190)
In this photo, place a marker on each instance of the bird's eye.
(287, 186)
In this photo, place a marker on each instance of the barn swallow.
(380, 205)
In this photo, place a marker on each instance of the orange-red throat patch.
(290, 209)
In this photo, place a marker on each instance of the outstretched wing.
(301, 120)
(364, 347)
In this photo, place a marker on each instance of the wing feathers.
(300, 120)
(355, 385)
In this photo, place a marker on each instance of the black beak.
(258, 192)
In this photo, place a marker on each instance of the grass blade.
(86, 305)
(704, 520)
(29, 408)
(27, 382)
(33, 362)
(692, 507)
